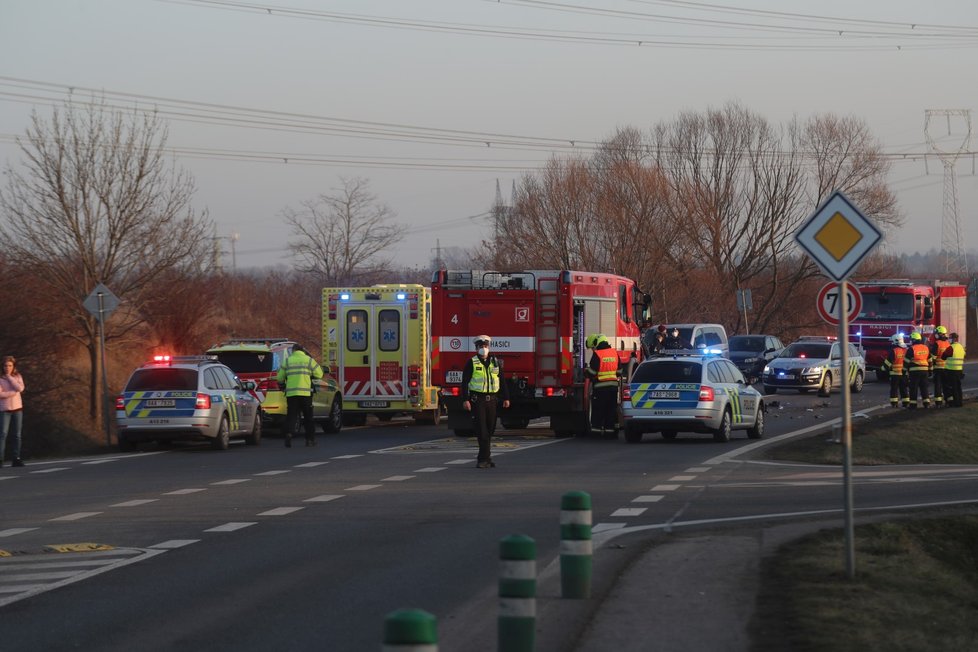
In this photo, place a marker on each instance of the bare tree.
(95, 201)
(341, 237)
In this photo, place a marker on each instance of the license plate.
(160, 402)
(374, 404)
(453, 376)
(664, 394)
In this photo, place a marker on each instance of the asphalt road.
(311, 548)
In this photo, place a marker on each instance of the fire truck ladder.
(547, 332)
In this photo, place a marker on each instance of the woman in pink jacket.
(11, 408)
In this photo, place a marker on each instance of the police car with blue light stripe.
(814, 362)
(187, 398)
(690, 391)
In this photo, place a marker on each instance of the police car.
(187, 398)
(690, 392)
(814, 362)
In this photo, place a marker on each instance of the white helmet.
(897, 340)
(482, 338)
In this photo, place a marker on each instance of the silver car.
(192, 398)
(690, 393)
(814, 362)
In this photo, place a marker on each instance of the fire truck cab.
(376, 338)
(538, 321)
(901, 306)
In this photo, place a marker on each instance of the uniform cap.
(482, 338)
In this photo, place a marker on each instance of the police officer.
(673, 341)
(919, 366)
(297, 373)
(482, 387)
(953, 372)
(895, 366)
(937, 349)
(603, 372)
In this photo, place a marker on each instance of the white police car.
(814, 362)
(189, 397)
(690, 392)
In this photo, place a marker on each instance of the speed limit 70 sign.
(830, 300)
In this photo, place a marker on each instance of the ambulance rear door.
(372, 353)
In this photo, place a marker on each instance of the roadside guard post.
(517, 593)
(410, 630)
(575, 545)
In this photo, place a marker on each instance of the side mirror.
(248, 385)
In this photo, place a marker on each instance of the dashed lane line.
(398, 478)
(231, 527)
(325, 498)
(648, 499)
(682, 478)
(136, 503)
(363, 487)
(230, 482)
(430, 469)
(628, 511)
(346, 457)
(54, 470)
(77, 516)
(184, 492)
(665, 487)
(16, 530)
(275, 472)
(310, 465)
(173, 544)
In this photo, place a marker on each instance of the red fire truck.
(538, 321)
(901, 306)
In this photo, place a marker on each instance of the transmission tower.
(952, 240)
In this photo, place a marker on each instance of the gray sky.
(433, 101)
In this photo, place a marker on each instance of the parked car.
(259, 359)
(751, 353)
(187, 398)
(698, 336)
(814, 362)
(690, 393)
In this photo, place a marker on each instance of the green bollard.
(517, 594)
(575, 545)
(410, 630)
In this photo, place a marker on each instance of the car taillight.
(268, 385)
(120, 402)
(549, 391)
(626, 393)
(203, 402)
(706, 393)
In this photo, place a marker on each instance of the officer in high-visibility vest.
(482, 387)
(953, 372)
(937, 349)
(919, 366)
(895, 366)
(603, 372)
(296, 374)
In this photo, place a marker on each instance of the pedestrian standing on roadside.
(482, 387)
(895, 366)
(11, 409)
(953, 372)
(297, 373)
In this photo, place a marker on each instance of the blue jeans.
(16, 419)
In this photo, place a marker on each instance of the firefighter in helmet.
(603, 372)
(895, 366)
(937, 349)
(953, 372)
(918, 367)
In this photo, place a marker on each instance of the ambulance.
(377, 340)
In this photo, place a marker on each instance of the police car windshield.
(746, 343)
(807, 350)
(669, 371)
(248, 362)
(164, 378)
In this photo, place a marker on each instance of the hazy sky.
(433, 101)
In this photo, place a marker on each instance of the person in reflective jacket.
(953, 372)
(603, 372)
(482, 387)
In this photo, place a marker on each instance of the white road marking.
(647, 499)
(16, 530)
(698, 469)
(232, 481)
(183, 492)
(277, 472)
(397, 478)
(682, 478)
(665, 487)
(8, 477)
(76, 516)
(174, 543)
(230, 527)
(280, 511)
(346, 457)
(325, 498)
(604, 527)
(629, 511)
(309, 465)
(363, 487)
(465, 461)
(54, 470)
(430, 469)
(105, 461)
(135, 503)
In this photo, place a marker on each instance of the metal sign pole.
(105, 382)
(846, 427)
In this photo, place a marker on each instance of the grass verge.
(916, 580)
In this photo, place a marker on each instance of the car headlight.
(767, 369)
(811, 370)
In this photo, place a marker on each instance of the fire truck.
(538, 321)
(376, 339)
(901, 306)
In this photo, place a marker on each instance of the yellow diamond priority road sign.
(838, 236)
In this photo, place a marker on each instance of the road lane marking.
(397, 478)
(629, 511)
(325, 498)
(231, 481)
(682, 478)
(280, 511)
(465, 461)
(106, 461)
(75, 517)
(173, 543)
(363, 487)
(309, 465)
(230, 527)
(183, 492)
(135, 503)
(647, 499)
(277, 472)
(698, 469)
(54, 470)
(665, 487)
(16, 530)
(346, 457)
(430, 469)
(604, 527)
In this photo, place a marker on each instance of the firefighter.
(603, 372)
(918, 367)
(937, 349)
(953, 372)
(482, 386)
(895, 366)
(297, 373)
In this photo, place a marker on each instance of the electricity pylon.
(952, 240)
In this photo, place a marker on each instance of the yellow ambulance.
(377, 339)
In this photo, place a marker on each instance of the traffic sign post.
(838, 236)
(100, 303)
